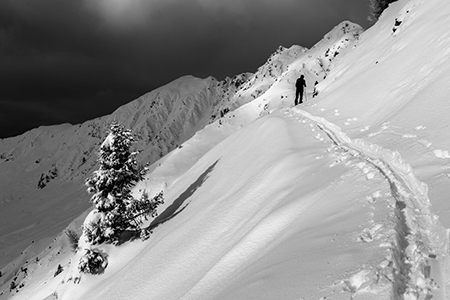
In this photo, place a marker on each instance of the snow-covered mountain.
(42, 171)
(345, 196)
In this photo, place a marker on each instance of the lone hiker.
(299, 84)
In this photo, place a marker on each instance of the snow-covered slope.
(42, 171)
(345, 196)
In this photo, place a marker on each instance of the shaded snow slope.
(343, 197)
(240, 225)
(42, 171)
(56, 159)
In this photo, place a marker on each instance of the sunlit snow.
(343, 197)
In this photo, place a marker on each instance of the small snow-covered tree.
(377, 7)
(111, 186)
(92, 262)
(73, 239)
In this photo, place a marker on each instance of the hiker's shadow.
(174, 209)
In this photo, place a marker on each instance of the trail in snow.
(421, 247)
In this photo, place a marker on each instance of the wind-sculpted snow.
(270, 213)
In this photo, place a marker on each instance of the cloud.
(122, 13)
(82, 59)
(234, 7)
(132, 14)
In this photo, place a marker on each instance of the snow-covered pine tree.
(92, 262)
(111, 186)
(377, 7)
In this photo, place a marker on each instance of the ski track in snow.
(420, 251)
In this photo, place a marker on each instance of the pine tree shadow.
(174, 209)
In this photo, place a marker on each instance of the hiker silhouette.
(299, 85)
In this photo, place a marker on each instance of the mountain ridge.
(261, 178)
(51, 154)
(161, 120)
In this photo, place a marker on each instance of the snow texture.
(342, 197)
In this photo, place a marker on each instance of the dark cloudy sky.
(73, 60)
